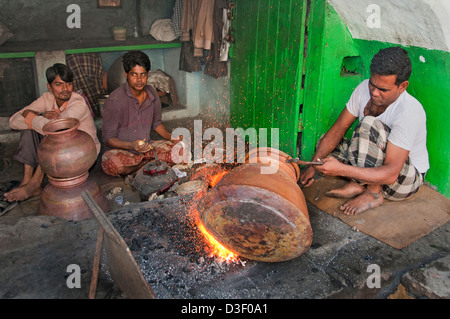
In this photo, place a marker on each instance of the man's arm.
(140, 146)
(17, 121)
(334, 135)
(328, 143)
(385, 174)
(162, 131)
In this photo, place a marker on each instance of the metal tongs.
(298, 161)
(157, 167)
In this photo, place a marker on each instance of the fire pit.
(170, 250)
(194, 236)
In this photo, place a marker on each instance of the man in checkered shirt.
(387, 157)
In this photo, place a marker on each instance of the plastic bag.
(163, 30)
(5, 34)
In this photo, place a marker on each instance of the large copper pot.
(67, 202)
(262, 217)
(66, 153)
(275, 158)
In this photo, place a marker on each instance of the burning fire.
(217, 249)
(216, 178)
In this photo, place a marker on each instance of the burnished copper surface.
(262, 217)
(67, 203)
(66, 152)
(274, 158)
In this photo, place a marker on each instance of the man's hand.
(331, 167)
(306, 178)
(51, 115)
(141, 146)
(176, 140)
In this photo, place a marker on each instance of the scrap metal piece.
(123, 267)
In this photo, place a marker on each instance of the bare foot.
(22, 193)
(362, 203)
(349, 190)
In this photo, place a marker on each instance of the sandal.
(6, 207)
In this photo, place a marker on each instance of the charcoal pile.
(171, 253)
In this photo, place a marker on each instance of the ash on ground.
(171, 253)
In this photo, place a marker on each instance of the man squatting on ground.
(59, 102)
(387, 155)
(129, 115)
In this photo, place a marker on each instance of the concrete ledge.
(9, 136)
(431, 281)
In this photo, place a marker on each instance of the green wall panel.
(267, 67)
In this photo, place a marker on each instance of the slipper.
(6, 207)
(5, 164)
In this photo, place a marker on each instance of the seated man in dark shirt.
(129, 115)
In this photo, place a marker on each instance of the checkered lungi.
(115, 159)
(367, 148)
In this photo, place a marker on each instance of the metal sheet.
(122, 265)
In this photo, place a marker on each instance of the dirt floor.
(37, 253)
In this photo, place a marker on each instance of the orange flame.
(217, 249)
(216, 178)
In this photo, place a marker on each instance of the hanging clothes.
(176, 17)
(204, 35)
(225, 43)
(214, 66)
(188, 62)
(202, 25)
(88, 76)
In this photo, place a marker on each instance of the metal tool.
(157, 161)
(298, 161)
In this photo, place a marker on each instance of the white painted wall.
(421, 23)
(44, 60)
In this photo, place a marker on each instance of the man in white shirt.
(59, 102)
(387, 156)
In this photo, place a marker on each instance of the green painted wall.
(328, 88)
